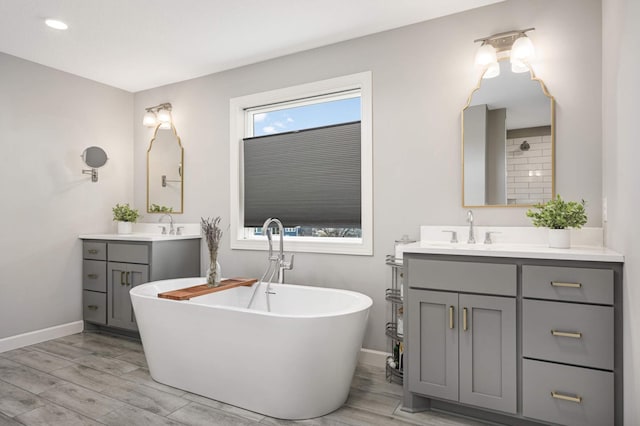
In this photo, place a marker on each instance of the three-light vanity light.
(515, 45)
(158, 114)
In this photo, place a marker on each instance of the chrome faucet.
(279, 258)
(172, 231)
(471, 239)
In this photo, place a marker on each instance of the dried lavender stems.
(213, 235)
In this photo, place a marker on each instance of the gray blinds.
(309, 177)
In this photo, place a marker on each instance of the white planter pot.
(125, 227)
(559, 238)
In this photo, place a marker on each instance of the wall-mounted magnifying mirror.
(94, 157)
(165, 172)
(508, 141)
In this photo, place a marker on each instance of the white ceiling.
(141, 44)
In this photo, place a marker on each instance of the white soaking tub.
(295, 362)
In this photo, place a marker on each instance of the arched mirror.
(165, 172)
(508, 141)
(94, 157)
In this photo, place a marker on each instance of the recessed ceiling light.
(54, 23)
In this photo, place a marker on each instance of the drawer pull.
(561, 284)
(92, 276)
(92, 307)
(451, 316)
(122, 281)
(127, 278)
(575, 335)
(558, 395)
(93, 251)
(464, 319)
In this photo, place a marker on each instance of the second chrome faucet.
(471, 239)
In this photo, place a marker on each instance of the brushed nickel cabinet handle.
(92, 276)
(93, 251)
(561, 284)
(451, 316)
(92, 307)
(127, 278)
(464, 319)
(122, 281)
(558, 395)
(575, 335)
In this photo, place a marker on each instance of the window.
(292, 147)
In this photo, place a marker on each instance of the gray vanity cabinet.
(111, 268)
(462, 332)
(515, 341)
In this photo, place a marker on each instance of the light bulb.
(522, 49)
(164, 117)
(55, 24)
(493, 70)
(149, 119)
(486, 55)
(165, 125)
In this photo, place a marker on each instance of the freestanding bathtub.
(295, 362)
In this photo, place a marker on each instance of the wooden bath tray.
(202, 289)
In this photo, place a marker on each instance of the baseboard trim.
(371, 357)
(37, 336)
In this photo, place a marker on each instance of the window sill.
(328, 245)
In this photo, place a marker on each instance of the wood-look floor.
(100, 379)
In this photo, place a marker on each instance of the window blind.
(306, 178)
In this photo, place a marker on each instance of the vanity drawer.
(94, 250)
(568, 284)
(94, 275)
(128, 253)
(568, 332)
(94, 306)
(567, 395)
(488, 278)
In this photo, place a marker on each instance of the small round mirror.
(94, 157)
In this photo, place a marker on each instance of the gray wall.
(47, 118)
(475, 155)
(621, 180)
(422, 76)
(497, 156)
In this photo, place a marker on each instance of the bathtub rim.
(363, 302)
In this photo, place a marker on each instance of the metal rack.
(394, 363)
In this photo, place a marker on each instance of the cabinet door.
(120, 279)
(433, 343)
(488, 352)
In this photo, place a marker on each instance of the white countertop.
(138, 236)
(530, 251)
(145, 231)
(520, 242)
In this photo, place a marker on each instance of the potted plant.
(126, 217)
(559, 215)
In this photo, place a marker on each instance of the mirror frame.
(553, 139)
(175, 133)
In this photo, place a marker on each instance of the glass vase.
(213, 274)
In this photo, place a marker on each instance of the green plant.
(124, 213)
(559, 214)
(154, 208)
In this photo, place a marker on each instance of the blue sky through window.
(306, 116)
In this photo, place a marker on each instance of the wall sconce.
(514, 45)
(159, 114)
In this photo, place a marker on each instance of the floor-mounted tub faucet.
(281, 264)
(471, 239)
